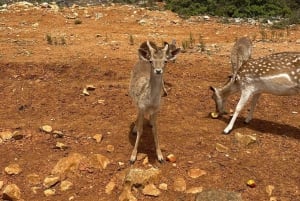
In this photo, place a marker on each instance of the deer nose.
(158, 71)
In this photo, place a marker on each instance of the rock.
(195, 190)
(46, 128)
(17, 135)
(61, 146)
(99, 161)
(141, 156)
(127, 195)
(142, 177)
(269, 189)
(171, 158)
(33, 179)
(218, 195)
(151, 190)
(179, 184)
(90, 87)
(244, 140)
(298, 41)
(1, 184)
(35, 189)
(146, 161)
(68, 164)
(110, 187)
(273, 198)
(66, 185)
(49, 192)
(98, 137)
(13, 169)
(50, 181)
(58, 134)
(110, 148)
(221, 148)
(11, 192)
(6, 135)
(195, 173)
(163, 186)
(85, 92)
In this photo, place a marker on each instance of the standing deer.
(146, 86)
(240, 53)
(277, 74)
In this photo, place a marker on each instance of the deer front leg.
(243, 100)
(139, 129)
(156, 141)
(253, 105)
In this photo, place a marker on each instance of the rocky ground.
(66, 115)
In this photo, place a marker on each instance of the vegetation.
(288, 9)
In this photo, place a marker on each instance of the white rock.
(1, 184)
(46, 128)
(13, 169)
(6, 135)
(196, 172)
(51, 181)
(110, 187)
(151, 190)
(195, 190)
(179, 184)
(98, 137)
(49, 192)
(221, 148)
(66, 185)
(163, 186)
(11, 192)
(245, 140)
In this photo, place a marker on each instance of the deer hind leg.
(139, 129)
(253, 105)
(156, 141)
(243, 100)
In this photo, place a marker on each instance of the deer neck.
(230, 88)
(155, 86)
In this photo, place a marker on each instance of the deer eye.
(150, 61)
(165, 61)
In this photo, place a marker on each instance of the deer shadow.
(265, 126)
(146, 145)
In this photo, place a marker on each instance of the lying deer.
(277, 74)
(146, 86)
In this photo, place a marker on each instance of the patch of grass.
(131, 40)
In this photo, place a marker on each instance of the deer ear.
(212, 88)
(173, 54)
(143, 54)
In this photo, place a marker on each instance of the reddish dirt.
(42, 84)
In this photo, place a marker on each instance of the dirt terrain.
(48, 56)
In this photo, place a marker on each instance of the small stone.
(221, 148)
(195, 173)
(17, 135)
(269, 189)
(179, 184)
(6, 135)
(110, 148)
(245, 140)
(85, 92)
(298, 41)
(71, 198)
(33, 179)
(58, 134)
(151, 190)
(98, 137)
(46, 128)
(66, 185)
(50, 181)
(146, 161)
(110, 187)
(61, 145)
(273, 198)
(1, 184)
(140, 156)
(171, 158)
(49, 192)
(99, 161)
(35, 189)
(11, 192)
(13, 169)
(163, 186)
(195, 190)
(90, 87)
